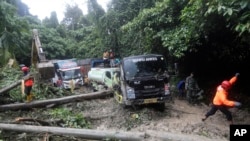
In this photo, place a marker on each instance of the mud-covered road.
(179, 122)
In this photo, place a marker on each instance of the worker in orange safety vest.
(221, 102)
(27, 84)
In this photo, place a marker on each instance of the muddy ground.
(180, 121)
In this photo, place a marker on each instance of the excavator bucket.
(44, 67)
(46, 70)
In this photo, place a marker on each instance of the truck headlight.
(167, 91)
(130, 93)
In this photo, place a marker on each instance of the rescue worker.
(117, 62)
(112, 58)
(27, 84)
(221, 102)
(181, 88)
(106, 58)
(191, 87)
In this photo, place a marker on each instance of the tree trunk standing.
(63, 100)
(83, 133)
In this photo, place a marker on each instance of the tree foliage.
(12, 30)
(51, 22)
(72, 17)
(214, 29)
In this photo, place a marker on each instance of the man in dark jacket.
(191, 87)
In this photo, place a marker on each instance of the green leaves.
(71, 119)
(12, 28)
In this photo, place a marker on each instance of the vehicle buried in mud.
(143, 79)
(138, 80)
(67, 74)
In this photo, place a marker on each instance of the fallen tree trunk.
(83, 133)
(38, 121)
(92, 134)
(13, 85)
(63, 100)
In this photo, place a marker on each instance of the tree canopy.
(182, 30)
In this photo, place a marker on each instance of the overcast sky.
(43, 8)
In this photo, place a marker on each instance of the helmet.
(226, 84)
(25, 69)
(21, 65)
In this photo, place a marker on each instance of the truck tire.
(161, 106)
(124, 106)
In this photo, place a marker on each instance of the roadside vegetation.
(208, 37)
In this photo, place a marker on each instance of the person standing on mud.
(105, 57)
(111, 58)
(191, 87)
(181, 88)
(221, 102)
(27, 83)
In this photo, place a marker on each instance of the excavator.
(44, 67)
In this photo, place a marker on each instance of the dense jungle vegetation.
(209, 37)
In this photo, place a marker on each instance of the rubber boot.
(28, 98)
(203, 119)
(31, 96)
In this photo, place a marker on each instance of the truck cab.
(143, 79)
(67, 74)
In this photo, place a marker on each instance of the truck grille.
(149, 93)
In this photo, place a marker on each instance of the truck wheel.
(94, 90)
(124, 106)
(161, 106)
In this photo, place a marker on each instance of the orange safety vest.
(221, 95)
(29, 82)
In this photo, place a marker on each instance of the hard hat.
(25, 69)
(226, 84)
(21, 65)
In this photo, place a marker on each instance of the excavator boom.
(44, 67)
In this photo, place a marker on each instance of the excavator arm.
(38, 59)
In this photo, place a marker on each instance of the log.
(91, 134)
(82, 133)
(13, 85)
(18, 120)
(58, 101)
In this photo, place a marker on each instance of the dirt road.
(179, 122)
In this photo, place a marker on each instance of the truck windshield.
(143, 67)
(71, 74)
